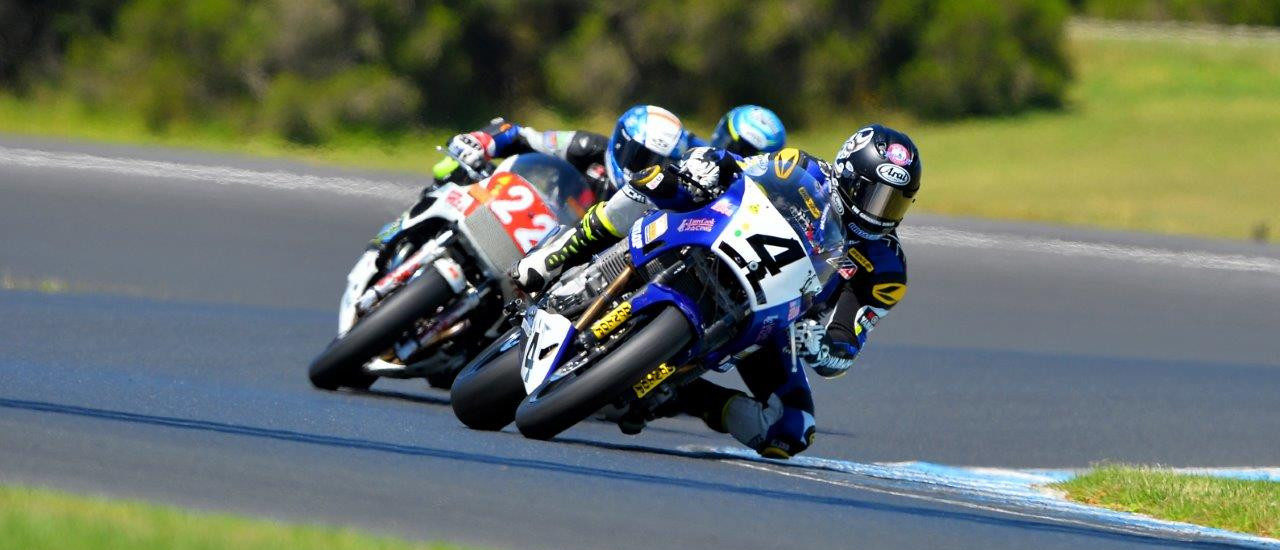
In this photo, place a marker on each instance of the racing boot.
(708, 401)
(569, 246)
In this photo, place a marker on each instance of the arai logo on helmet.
(893, 174)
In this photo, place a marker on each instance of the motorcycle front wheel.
(486, 393)
(340, 365)
(555, 407)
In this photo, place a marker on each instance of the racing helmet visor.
(632, 156)
(879, 203)
(725, 138)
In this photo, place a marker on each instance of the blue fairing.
(664, 231)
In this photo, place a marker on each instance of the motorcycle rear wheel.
(550, 410)
(340, 364)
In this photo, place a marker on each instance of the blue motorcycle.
(684, 294)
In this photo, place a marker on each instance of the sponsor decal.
(889, 293)
(634, 194)
(696, 224)
(862, 260)
(893, 174)
(637, 239)
(868, 319)
(785, 162)
(611, 320)
(651, 181)
(793, 310)
(844, 266)
(651, 380)
(836, 202)
(655, 229)
(457, 200)
(898, 154)
(808, 202)
(755, 209)
(723, 206)
(767, 329)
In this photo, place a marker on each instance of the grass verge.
(1160, 135)
(38, 519)
(1232, 504)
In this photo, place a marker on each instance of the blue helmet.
(749, 129)
(645, 136)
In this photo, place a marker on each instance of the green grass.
(38, 519)
(1159, 135)
(1236, 505)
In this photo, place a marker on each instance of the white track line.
(1012, 492)
(941, 236)
(158, 172)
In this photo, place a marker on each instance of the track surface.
(183, 380)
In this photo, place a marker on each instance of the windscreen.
(802, 200)
(562, 187)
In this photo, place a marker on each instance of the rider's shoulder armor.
(881, 276)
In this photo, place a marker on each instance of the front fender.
(655, 295)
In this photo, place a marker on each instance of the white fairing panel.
(357, 281)
(757, 216)
(547, 333)
(451, 204)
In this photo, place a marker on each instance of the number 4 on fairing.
(769, 264)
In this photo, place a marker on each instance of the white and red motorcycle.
(431, 294)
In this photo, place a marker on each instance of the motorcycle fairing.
(547, 336)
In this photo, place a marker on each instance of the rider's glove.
(700, 173)
(827, 356)
(472, 149)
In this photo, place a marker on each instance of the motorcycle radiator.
(491, 240)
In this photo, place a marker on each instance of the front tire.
(340, 364)
(486, 393)
(551, 410)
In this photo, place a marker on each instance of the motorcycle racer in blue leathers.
(873, 181)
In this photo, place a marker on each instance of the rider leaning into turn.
(874, 180)
(645, 135)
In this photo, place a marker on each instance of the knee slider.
(772, 429)
(785, 444)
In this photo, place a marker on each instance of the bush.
(986, 58)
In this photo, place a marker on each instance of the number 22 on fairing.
(520, 210)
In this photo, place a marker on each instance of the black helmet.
(877, 176)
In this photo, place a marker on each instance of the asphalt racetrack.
(199, 287)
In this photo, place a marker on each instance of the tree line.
(305, 69)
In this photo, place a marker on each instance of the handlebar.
(475, 175)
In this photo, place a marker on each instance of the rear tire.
(486, 393)
(544, 415)
(340, 364)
